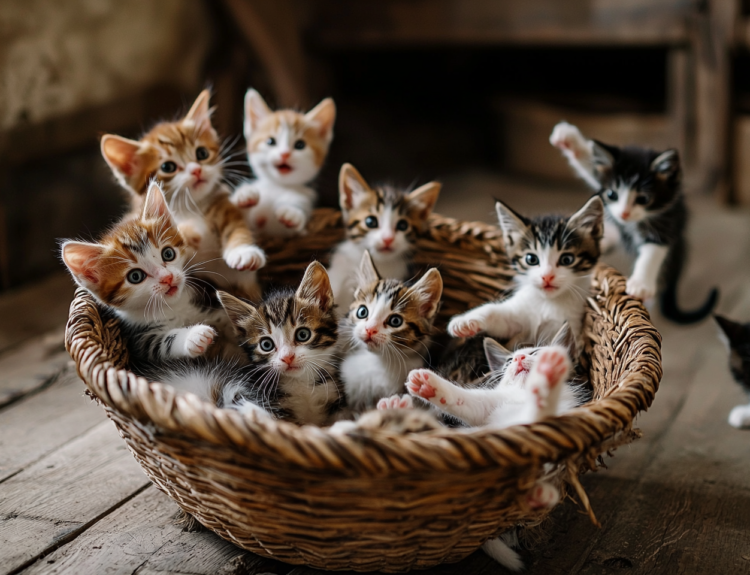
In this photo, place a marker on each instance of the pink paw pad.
(553, 366)
(247, 203)
(541, 496)
(287, 223)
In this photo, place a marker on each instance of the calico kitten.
(737, 337)
(290, 339)
(382, 220)
(646, 212)
(139, 270)
(552, 257)
(186, 157)
(286, 150)
(390, 324)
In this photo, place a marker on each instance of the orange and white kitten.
(186, 156)
(381, 220)
(286, 150)
(140, 271)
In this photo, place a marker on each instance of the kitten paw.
(246, 196)
(543, 496)
(640, 289)
(198, 339)
(553, 365)
(249, 258)
(396, 402)
(291, 217)
(567, 137)
(739, 417)
(427, 385)
(464, 327)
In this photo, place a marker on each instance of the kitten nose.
(387, 241)
(548, 279)
(625, 215)
(167, 279)
(197, 171)
(370, 331)
(285, 156)
(289, 360)
(520, 358)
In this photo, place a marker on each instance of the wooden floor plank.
(53, 499)
(38, 425)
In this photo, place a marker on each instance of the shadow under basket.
(374, 500)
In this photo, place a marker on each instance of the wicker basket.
(376, 501)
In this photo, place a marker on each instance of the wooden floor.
(73, 499)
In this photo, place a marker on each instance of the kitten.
(552, 257)
(646, 212)
(382, 220)
(186, 157)
(390, 324)
(737, 337)
(139, 271)
(290, 339)
(286, 150)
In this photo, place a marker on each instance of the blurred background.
(465, 91)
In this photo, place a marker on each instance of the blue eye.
(362, 312)
(136, 276)
(532, 259)
(271, 141)
(371, 222)
(168, 254)
(168, 167)
(266, 344)
(612, 195)
(567, 259)
(395, 321)
(303, 334)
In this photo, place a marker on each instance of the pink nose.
(548, 279)
(625, 215)
(167, 279)
(197, 172)
(285, 156)
(387, 241)
(289, 360)
(371, 331)
(520, 358)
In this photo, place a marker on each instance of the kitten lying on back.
(382, 220)
(737, 337)
(552, 257)
(139, 271)
(390, 324)
(646, 212)
(290, 340)
(185, 156)
(286, 150)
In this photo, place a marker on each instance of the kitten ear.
(128, 159)
(514, 226)
(353, 189)
(423, 199)
(316, 286)
(367, 273)
(324, 115)
(240, 313)
(496, 354)
(590, 218)
(82, 259)
(666, 164)
(603, 157)
(734, 331)
(199, 114)
(428, 291)
(155, 206)
(256, 110)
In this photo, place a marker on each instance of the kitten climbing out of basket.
(389, 326)
(737, 337)
(141, 271)
(186, 156)
(291, 341)
(286, 150)
(646, 210)
(553, 257)
(382, 220)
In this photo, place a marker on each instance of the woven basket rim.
(185, 415)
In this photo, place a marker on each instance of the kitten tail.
(501, 552)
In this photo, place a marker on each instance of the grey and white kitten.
(553, 257)
(389, 323)
(646, 211)
(290, 340)
(737, 337)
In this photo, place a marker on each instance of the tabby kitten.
(286, 150)
(186, 157)
(382, 220)
(552, 257)
(290, 340)
(646, 211)
(140, 271)
(737, 337)
(389, 324)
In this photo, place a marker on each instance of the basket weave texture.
(374, 500)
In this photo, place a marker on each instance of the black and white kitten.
(737, 337)
(646, 210)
